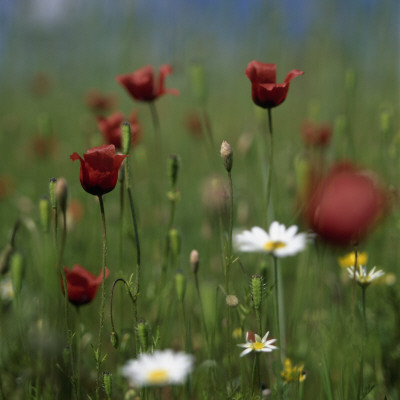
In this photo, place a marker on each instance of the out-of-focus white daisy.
(159, 369)
(257, 344)
(278, 241)
(363, 277)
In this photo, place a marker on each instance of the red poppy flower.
(265, 91)
(82, 285)
(98, 102)
(99, 169)
(141, 84)
(110, 127)
(345, 205)
(315, 135)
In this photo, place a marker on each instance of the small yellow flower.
(237, 333)
(293, 373)
(348, 259)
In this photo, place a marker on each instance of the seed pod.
(194, 261)
(227, 155)
(44, 211)
(126, 137)
(180, 284)
(61, 193)
(107, 380)
(256, 290)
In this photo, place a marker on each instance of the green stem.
(259, 325)
(157, 128)
(279, 309)
(66, 317)
(133, 299)
(271, 163)
(103, 298)
(121, 220)
(203, 320)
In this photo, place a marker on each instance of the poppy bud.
(194, 261)
(173, 169)
(227, 155)
(143, 334)
(256, 290)
(114, 339)
(17, 271)
(107, 380)
(180, 284)
(52, 192)
(61, 193)
(126, 137)
(44, 211)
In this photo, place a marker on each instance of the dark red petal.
(259, 72)
(292, 74)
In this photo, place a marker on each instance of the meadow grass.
(322, 318)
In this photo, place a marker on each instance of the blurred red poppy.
(82, 285)
(110, 127)
(315, 135)
(265, 91)
(99, 169)
(141, 84)
(346, 204)
(99, 102)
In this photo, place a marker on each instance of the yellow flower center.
(257, 346)
(274, 245)
(158, 376)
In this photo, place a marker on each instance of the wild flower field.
(199, 200)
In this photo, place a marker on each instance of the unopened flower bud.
(227, 155)
(114, 339)
(107, 380)
(173, 169)
(126, 137)
(180, 284)
(52, 192)
(61, 192)
(231, 300)
(143, 334)
(194, 261)
(44, 211)
(17, 271)
(256, 290)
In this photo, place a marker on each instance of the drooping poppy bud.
(266, 93)
(99, 169)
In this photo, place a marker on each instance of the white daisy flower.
(258, 344)
(278, 241)
(159, 369)
(363, 277)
